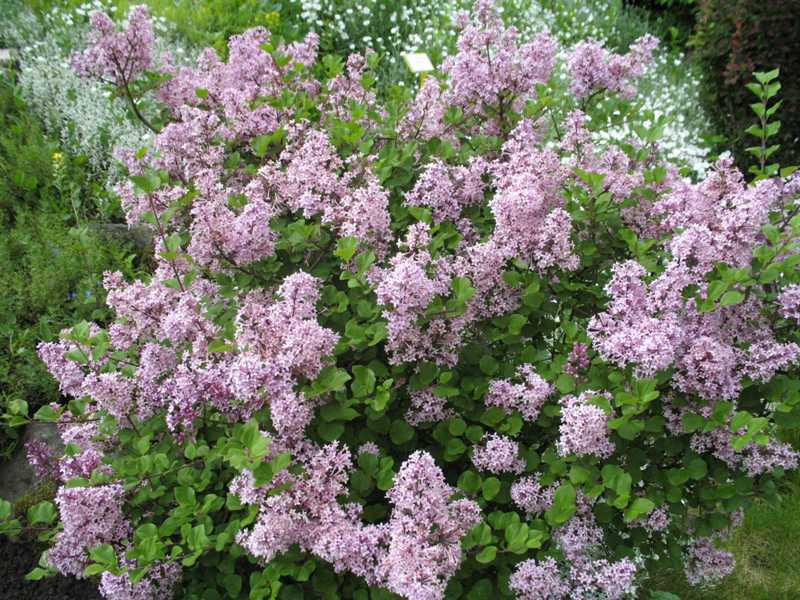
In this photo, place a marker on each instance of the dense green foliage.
(733, 38)
(51, 258)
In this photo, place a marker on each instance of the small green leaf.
(515, 323)
(664, 596)
(37, 574)
(455, 447)
(488, 365)
(232, 584)
(765, 77)
(692, 422)
(470, 482)
(491, 487)
(281, 461)
(457, 426)
(486, 555)
(462, 289)
(330, 431)
(677, 477)
(219, 345)
(639, 507)
(363, 381)
(185, 495)
(103, 554)
(18, 410)
(565, 383)
(46, 413)
(333, 379)
(618, 480)
(44, 512)
(697, 468)
(5, 509)
(579, 474)
(346, 248)
(94, 569)
(400, 432)
(731, 297)
(147, 183)
(563, 506)
(740, 419)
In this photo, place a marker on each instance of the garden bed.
(17, 558)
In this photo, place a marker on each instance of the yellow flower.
(272, 19)
(58, 157)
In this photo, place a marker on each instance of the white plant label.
(418, 62)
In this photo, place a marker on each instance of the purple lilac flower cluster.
(527, 397)
(414, 554)
(584, 427)
(593, 68)
(579, 575)
(497, 454)
(708, 564)
(648, 324)
(117, 55)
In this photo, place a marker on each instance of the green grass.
(766, 547)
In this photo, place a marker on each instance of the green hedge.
(733, 38)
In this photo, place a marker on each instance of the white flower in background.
(75, 110)
(71, 108)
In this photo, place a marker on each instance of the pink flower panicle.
(538, 580)
(531, 496)
(584, 427)
(369, 448)
(656, 522)
(492, 67)
(90, 516)
(528, 205)
(413, 555)
(789, 301)
(427, 407)
(119, 56)
(447, 190)
(651, 326)
(426, 528)
(527, 397)
(406, 289)
(158, 584)
(753, 459)
(42, 458)
(544, 580)
(593, 68)
(497, 454)
(706, 565)
(578, 359)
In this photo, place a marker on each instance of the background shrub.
(26, 168)
(51, 260)
(733, 38)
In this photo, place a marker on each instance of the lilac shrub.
(422, 345)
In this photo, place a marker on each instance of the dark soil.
(19, 558)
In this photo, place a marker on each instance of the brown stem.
(163, 237)
(124, 83)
